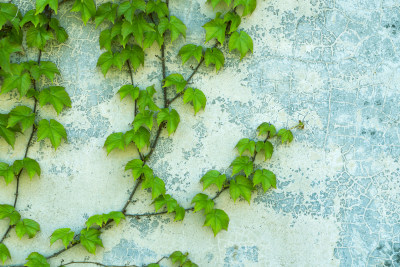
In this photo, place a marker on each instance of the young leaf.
(178, 257)
(56, 96)
(213, 177)
(138, 27)
(128, 9)
(134, 54)
(202, 202)
(16, 79)
(215, 28)
(191, 50)
(61, 34)
(165, 200)
(285, 135)
(246, 144)
(267, 147)
(86, 7)
(179, 213)
(116, 216)
(113, 141)
(52, 130)
(248, 6)
(176, 27)
(157, 6)
(146, 99)
(214, 56)
(108, 59)
(31, 166)
(156, 184)
(7, 172)
(21, 115)
(217, 219)
(36, 20)
(95, 219)
(7, 133)
(106, 11)
(171, 117)
(90, 238)
(38, 36)
(266, 178)
(28, 227)
(150, 37)
(195, 96)
(143, 118)
(41, 4)
(6, 49)
(138, 169)
(241, 42)
(46, 68)
(266, 128)
(8, 211)
(242, 163)
(4, 253)
(214, 3)
(63, 234)
(241, 186)
(129, 89)
(141, 138)
(36, 260)
(177, 80)
(234, 19)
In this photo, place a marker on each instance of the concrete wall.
(333, 64)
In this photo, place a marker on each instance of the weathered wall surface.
(333, 64)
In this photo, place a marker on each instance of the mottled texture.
(332, 63)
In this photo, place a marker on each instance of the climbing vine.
(131, 27)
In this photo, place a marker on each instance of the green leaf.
(113, 141)
(128, 9)
(143, 118)
(4, 253)
(86, 7)
(105, 40)
(248, 6)
(7, 172)
(213, 177)
(146, 99)
(36, 20)
(46, 68)
(242, 164)
(95, 219)
(266, 178)
(234, 19)
(214, 3)
(171, 117)
(150, 37)
(138, 169)
(241, 42)
(106, 11)
(285, 135)
(134, 54)
(129, 89)
(61, 34)
(141, 138)
(21, 115)
(202, 202)
(116, 216)
(56, 96)
(166, 200)
(217, 219)
(156, 184)
(8, 211)
(36, 260)
(38, 36)
(16, 79)
(30, 165)
(246, 144)
(153, 265)
(241, 186)
(157, 6)
(214, 56)
(266, 128)
(176, 27)
(6, 49)
(9, 12)
(63, 234)
(195, 96)
(27, 227)
(178, 257)
(267, 147)
(177, 80)
(7, 133)
(90, 238)
(52, 130)
(41, 4)
(191, 50)
(138, 27)
(215, 28)
(108, 59)
(179, 213)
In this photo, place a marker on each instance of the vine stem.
(95, 263)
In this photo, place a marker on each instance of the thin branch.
(149, 214)
(96, 263)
